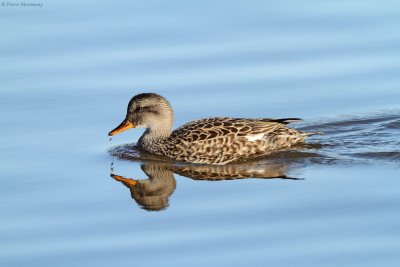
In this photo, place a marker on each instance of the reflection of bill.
(152, 194)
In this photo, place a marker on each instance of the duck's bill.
(125, 125)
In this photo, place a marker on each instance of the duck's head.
(147, 110)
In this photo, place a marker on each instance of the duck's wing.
(223, 140)
(213, 128)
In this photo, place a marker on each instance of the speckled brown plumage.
(207, 141)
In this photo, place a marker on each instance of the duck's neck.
(154, 139)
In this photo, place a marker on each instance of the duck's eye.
(138, 109)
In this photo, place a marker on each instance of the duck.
(215, 140)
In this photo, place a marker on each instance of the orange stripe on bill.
(125, 125)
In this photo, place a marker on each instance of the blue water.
(68, 70)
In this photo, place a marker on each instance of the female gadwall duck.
(206, 141)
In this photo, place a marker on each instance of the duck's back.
(223, 140)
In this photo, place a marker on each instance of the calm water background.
(68, 69)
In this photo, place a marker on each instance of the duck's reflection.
(153, 193)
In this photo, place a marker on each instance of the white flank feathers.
(254, 137)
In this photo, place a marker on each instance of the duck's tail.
(290, 120)
(285, 120)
